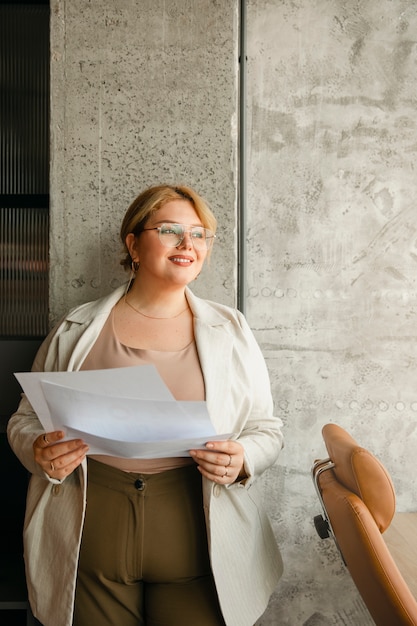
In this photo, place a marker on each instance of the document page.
(126, 412)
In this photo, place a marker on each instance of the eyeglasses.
(172, 235)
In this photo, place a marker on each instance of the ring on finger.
(45, 438)
(230, 461)
(52, 466)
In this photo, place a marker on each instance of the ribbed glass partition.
(24, 169)
(24, 263)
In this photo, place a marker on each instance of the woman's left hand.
(220, 461)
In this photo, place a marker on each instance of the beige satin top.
(179, 370)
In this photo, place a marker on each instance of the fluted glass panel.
(24, 263)
(24, 169)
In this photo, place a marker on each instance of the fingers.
(58, 458)
(47, 438)
(63, 465)
(221, 462)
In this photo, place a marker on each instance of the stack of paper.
(126, 412)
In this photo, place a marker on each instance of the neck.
(157, 305)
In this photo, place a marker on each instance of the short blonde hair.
(154, 198)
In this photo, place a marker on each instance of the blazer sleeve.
(261, 435)
(24, 425)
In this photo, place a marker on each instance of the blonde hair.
(154, 198)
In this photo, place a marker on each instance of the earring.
(133, 269)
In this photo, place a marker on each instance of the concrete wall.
(145, 92)
(142, 93)
(333, 249)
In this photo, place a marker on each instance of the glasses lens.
(198, 236)
(171, 235)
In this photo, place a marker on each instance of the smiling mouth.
(178, 259)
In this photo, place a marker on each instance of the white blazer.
(245, 559)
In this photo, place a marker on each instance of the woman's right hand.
(58, 458)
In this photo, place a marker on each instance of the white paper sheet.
(126, 412)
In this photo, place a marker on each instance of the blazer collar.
(200, 308)
(103, 306)
(205, 310)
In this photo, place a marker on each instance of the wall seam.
(242, 177)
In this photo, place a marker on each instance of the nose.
(186, 241)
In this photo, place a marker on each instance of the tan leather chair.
(358, 501)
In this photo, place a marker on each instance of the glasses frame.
(186, 229)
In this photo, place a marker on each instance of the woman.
(170, 541)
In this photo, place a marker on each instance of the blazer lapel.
(214, 347)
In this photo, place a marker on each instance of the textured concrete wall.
(142, 93)
(332, 256)
(147, 91)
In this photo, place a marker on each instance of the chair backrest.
(358, 500)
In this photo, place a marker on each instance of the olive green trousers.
(144, 557)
